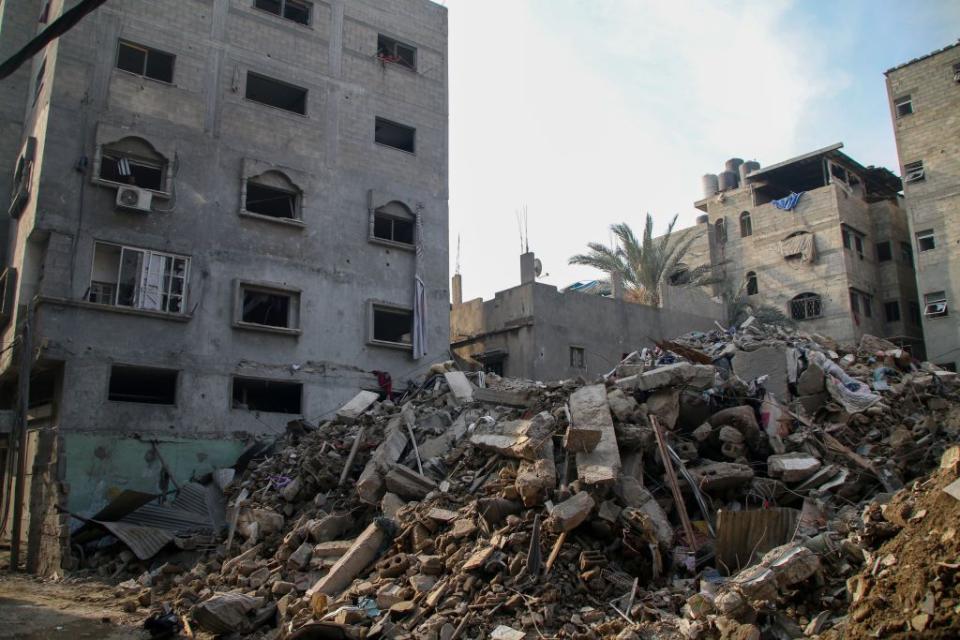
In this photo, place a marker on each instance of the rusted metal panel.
(744, 536)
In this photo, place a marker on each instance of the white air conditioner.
(915, 175)
(935, 309)
(134, 199)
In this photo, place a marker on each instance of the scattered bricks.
(589, 416)
(721, 476)
(461, 387)
(463, 528)
(329, 527)
(363, 551)
(792, 467)
(536, 479)
(349, 412)
(443, 516)
(422, 583)
(407, 483)
(300, 558)
(570, 513)
(516, 439)
(743, 419)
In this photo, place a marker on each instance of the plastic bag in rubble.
(854, 401)
(773, 423)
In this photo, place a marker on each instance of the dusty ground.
(31, 609)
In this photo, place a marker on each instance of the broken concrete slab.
(361, 553)
(329, 527)
(811, 381)
(517, 438)
(537, 478)
(665, 405)
(743, 419)
(407, 483)
(440, 445)
(602, 465)
(349, 412)
(792, 467)
(370, 485)
(622, 406)
(719, 476)
(225, 613)
(765, 361)
(332, 548)
(461, 387)
(570, 513)
(678, 374)
(496, 396)
(589, 416)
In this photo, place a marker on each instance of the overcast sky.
(590, 112)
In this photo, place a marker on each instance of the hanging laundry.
(789, 203)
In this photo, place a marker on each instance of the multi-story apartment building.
(924, 99)
(819, 237)
(224, 214)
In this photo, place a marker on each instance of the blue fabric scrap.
(789, 203)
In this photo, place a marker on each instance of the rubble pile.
(731, 484)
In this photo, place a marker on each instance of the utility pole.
(23, 403)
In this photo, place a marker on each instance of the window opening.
(143, 384)
(268, 308)
(906, 253)
(806, 306)
(295, 10)
(721, 229)
(679, 275)
(884, 251)
(38, 81)
(926, 241)
(913, 171)
(392, 325)
(272, 194)
(395, 135)
(903, 105)
(752, 287)
(746, 226)
(144, 61)
(273, 396)
(388, 227)
(578, 358)
(133, 161)
(935, 304)
(275, 93)
(129, 277)
(891, 311)
(852, 240)
(390, 50)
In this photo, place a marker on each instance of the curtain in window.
(419, 298)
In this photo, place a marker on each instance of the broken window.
(133, 161)
(269, 307)
(131, 277)
(914, 309)
(891, 310)
(22, 178)
(578, 358)
(806, 306)
(296, 10)
(721, 229)
(906, 253)
(394, 221)
(144, 61)
(394, 135)
(752, 287)
(746, 226)
(276, 396)
(38, 81)
(272, 194)
(275, 93)
(913, 172)
(926, 241)
(392, 324)
(852, 239)
(143, 384)
(861, 302)
(679, 275)
(884, 251)
(903, 106)
(390, 50)
(935, 304)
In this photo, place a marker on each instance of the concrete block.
(792, 467)
(589, 416)
(332, 548)
(678, 374)
(535, 479)
(407, 483)
(461, 387)
(522, 439)
(602, 465)
(571, 513)
(810, 381)
(717, 477)
(362, 552)
(349, 412)
(765, 361)
(743, 419)
(622, 406)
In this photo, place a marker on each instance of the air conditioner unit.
(134, 199)
(935, 309)
(915, 175)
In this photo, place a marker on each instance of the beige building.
(818, 236)
(925, 106)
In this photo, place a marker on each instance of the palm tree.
(740, 307)
(643, 265)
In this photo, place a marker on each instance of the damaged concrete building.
(924, 99)
(538, 332)
(223, 215)
(819, 237)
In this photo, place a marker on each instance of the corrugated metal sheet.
(145, 542)
(744, 536)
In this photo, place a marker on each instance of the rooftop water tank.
(733, 164)
(746, 168)
(711, 184)
(728, 180)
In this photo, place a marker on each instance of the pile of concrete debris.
(723, 485)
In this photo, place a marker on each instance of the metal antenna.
(458, 254)
(526, 229)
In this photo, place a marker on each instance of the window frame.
(578, 353)
(751, 279)
(905, 99)
(395, 59)
(378, 120)
(853, 240)
(261, 76)
(914, 172)
(746, 230)
(140, 288)
(107, 149)
(292, 190)
(282, 13)
(147, 51)
(294, 316)
(809, 301)
(176, 385)
(926, 235)
(932, 298)
(231, 390)
(372, 307)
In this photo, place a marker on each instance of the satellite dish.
(537, 266)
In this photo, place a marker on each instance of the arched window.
(746, 226)
(272, 194)
(806, 306)
(752, 287)
(395, 222)
(721, 229)
(133, 160)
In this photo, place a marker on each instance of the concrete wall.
(931, 134)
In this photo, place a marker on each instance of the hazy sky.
(589, 112)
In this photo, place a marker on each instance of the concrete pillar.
(616, 280)
(456, 288)
(528, 269)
